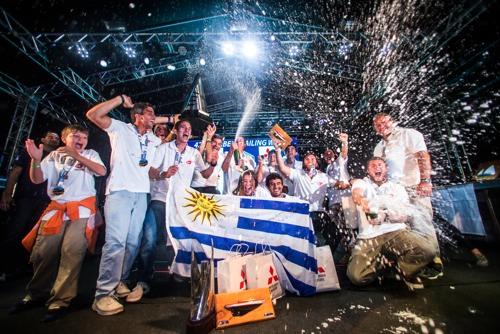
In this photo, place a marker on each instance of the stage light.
(228, 48)
(272, 38)
(202, 61)
(344, 48)
(103, 63)
(146, 61)
(82, 51)
(170, 67)
(293, 51)
(129, 51)
(249, 49)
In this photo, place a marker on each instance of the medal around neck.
(63, 175)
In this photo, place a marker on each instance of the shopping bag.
(326, 279)
(231, 275)
(261, 273)
(243, 307)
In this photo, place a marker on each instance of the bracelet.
(209, 140)
(123, 100)
(425, 181)
(35, 164)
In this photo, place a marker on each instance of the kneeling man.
(383, 230)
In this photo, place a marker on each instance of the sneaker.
(413, 283)
(107, 305)
(433, 271)
(55, 313)
(27, 303)
(136, 295)
(481, 260)
(430, 273)
(122, 290)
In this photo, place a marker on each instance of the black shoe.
(24, 305)
(55, 314)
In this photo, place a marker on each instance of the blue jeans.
(154, 233)
(124, 214)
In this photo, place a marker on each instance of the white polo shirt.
(212, 180)
(266, 170)
(126, 174)
(311, 190)
(79, 183)
(389, 194)
(287, 182)
(337, 171)
(191, 160)
(398, 151)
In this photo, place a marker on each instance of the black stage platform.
(465, 300)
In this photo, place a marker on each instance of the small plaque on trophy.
(278, 135)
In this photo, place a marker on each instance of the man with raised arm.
(132, 149)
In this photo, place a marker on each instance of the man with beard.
(310, 185)
(28, 201)
(173, 159)
(385, 210)
(132, 149)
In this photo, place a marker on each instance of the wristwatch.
(426, 181)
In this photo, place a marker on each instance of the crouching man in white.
(383, 207)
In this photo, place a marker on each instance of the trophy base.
(203, 326)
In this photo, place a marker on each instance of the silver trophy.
(202, 314)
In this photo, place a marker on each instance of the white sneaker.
(107, 305)
(122, 290)
(136, 295)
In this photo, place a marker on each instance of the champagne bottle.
(237, 157)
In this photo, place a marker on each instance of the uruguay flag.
(196, 221)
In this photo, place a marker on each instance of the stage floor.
(465, 300)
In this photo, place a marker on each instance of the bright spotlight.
(170, 67)
(129, 51)
(228, 48)
(202, 61)
(82, 51)
(103, 63)
(249, 49)
(146, 61)
(293, 51)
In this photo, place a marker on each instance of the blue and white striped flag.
(195, 221)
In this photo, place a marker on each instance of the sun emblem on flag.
(204, 206)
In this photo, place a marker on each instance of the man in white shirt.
(173, 159)
(385, 210)
(292, 162)
(132, 149)
(237, 161)
(274, 183)
(210, 149)
(58, 241)
(263, 169)
(338, 188)
(310, 185)
(408, 164)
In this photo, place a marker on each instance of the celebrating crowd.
(384, 220)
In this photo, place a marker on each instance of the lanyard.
(144, 148)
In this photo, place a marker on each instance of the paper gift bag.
(243, 307)
(261, 273)
(326, 279)
(231, 275)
